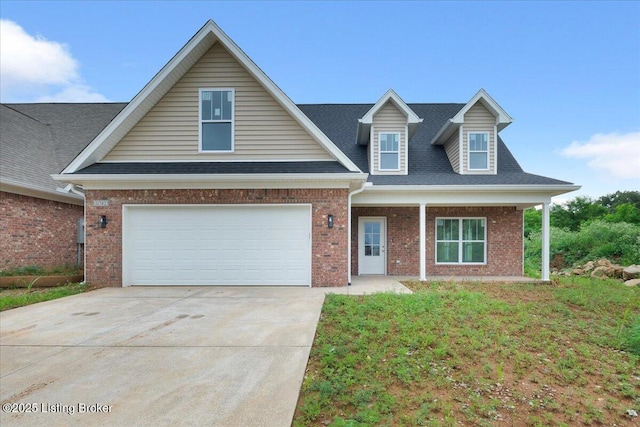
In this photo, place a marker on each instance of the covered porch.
(399, 233)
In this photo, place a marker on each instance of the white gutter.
(484, 188)
(208, 177)
(356, 191)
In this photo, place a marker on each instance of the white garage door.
(216, 245)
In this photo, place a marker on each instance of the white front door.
(372, 245)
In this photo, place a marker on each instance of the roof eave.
(160, 84)
(15, 187)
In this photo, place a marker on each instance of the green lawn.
(477, 354)
(12, 298)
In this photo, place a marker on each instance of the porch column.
(423, 242)
(545, 241)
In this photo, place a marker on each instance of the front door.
(372, 242)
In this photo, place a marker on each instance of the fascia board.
(89, 154)
(445, 131)
(284, 100)
(503, 118)
(461, 195)
(474, 188)
(392, 96)
(14, 187)
(148, 181)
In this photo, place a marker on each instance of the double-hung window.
(216, 120)
(389, 151)
(478, 150)
(461, 240)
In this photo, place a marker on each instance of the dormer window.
(478, 150)
(389, 151)
(216, 120)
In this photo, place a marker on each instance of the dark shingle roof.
(428, 164)
(214, 168)
(37, 140)
(40, 139)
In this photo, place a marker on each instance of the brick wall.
(329, 253)
(37, 232)
(504, 240)
(403, 240)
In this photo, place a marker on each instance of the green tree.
(576, 212)
(625, 212)
(611, 201)
(532, 221)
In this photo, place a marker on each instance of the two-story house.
(211, 175)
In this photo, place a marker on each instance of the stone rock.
(588, 267)
(633, 282)
(577, 272)
(617, 271)
(631, 272)
(602, 272)
(603, 262)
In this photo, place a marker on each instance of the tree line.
(584, 229)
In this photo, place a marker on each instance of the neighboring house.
(38, 223)
(211, 175)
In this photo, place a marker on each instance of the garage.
(216, 245)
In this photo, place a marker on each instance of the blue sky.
(568, 72)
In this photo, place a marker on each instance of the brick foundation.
(37, 232)
(504, 240)
(329, 248)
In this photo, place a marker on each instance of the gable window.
(216, 120)
(461, 241)
(478, 150)
(389, 151)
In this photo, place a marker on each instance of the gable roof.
(428, 164)
(364, 124)
(160, 84)
(37, 140)
(502, 118)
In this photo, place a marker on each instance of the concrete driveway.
(158, 356)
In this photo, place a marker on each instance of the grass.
(476, 354)
(12, 298)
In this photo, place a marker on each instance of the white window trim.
(380, 152)
(469, 151)
(460, 241)
(233, 119)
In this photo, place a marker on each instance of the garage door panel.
(217, 245)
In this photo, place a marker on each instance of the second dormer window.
(478, 150)
(216, 120)
(389, 151)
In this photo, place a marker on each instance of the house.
(38, 223)
(211, 175)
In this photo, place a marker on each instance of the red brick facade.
(329, 251)
(504, 240)
(403, 239)
(37, 232)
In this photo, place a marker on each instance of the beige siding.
(479, 119)
(389, 119)
(263, 129)
(452, 148)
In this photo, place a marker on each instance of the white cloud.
(617, 155)
(34, 67)
(76, 93)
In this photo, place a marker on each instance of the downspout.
(356, 191)
(71, 188)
